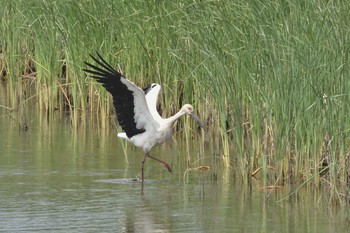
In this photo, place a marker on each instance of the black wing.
(123, 98)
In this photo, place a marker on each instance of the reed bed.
(269, 78)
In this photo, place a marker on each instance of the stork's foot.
(167, 166)
(161, 161)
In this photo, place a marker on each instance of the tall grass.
(269, 78)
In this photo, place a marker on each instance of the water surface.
(57, 179)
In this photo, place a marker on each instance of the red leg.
(142, 165)
(164, 163)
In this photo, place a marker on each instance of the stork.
(136, 110)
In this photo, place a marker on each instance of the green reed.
(269, 78)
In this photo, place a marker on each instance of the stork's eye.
(153, 85)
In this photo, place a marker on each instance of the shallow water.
(56, 179)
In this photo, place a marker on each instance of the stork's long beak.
(196, 119)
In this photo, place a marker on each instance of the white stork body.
(136, 109)
(161, 132)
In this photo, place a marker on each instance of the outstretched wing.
(151, 92)
(128, 99)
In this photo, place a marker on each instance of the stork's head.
(188, 109)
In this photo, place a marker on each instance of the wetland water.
(57, 179)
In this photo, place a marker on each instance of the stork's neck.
(171, 120)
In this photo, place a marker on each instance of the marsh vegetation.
(269, 78)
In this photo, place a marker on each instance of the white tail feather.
(122, 135)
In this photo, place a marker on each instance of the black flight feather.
(123, 99)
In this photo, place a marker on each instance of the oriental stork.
(136, 110)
